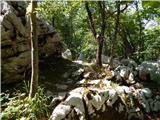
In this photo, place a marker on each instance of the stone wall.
(15, 41)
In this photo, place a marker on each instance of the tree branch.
(102, 11)
(90, 19)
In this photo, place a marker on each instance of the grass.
(21, 107)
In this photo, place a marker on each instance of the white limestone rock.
(131, 78)
(129, 63)
(146, 92)
(60, 112)
(105, 59)
(119, 90)
(149, 68)
(125, 73)
(67, 54)
(155, 105)
(113, 96)
(75, 99)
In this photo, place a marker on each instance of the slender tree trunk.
(90, 20)
(100, 38)
(34, 50)
(98, 55)
(103, 16)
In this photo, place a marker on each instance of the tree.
(123, 22)
(34, 48)
(99, 37)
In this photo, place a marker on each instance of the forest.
(80, 60)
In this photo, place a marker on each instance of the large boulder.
(149, 70)
(15, 41)
(106, 60)
(124, 75)
(129, 62)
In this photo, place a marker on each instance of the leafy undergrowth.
(21, 107)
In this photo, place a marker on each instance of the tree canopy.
(129, 32)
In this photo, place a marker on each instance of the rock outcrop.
(114, 95)
(15, 41)
(149, 70)
(103, 100)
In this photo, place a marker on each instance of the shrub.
(24, 108)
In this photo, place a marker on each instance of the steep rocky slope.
(15, 41)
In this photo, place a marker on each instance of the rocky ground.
(59, 75)
(118, 94)
(80, 90)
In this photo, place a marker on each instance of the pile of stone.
(15, 41)
(103, 100)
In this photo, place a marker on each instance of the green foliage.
(152, 44)
(71, 22)
(21, 107)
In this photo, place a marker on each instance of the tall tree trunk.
(100, 37)
(103, 16)
(98, 55)
(34, 50)
(90, 20)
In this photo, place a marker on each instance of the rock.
(66, 75)
(75, 99)
(62, 94)
(15, 66)
(124, 74)
(156, 104)
(149, 71)
(10, 15)
(146, 92)
(129, 62)
(60, 112)
(116, 63)
(15, 44)
(78, 72)
(55, 101)
(131, 78)
(95, 102)
(61, 86)
(113, 96)
(49, 93)
(81, 57)
(105, 59)
(79, 62)
(53, 45)
(67, 54)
